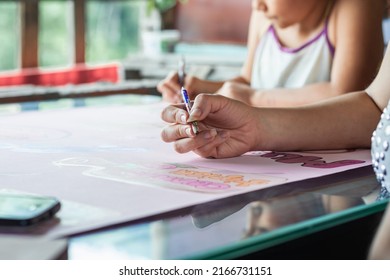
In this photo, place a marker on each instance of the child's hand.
(227, 127)
(170, 87)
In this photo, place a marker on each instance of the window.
(9, 39)
(111, 32)
(55, 33)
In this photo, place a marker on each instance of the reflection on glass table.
(238, 226)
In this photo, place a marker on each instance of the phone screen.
(25, 209)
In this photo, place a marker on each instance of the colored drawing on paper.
(308, 161)
(172, 175)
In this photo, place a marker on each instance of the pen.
(187, 102)
(181, 72)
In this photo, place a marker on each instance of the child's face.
(284, 12)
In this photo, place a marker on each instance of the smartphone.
(26, 210)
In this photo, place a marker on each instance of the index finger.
(174, 114)
(173, 81)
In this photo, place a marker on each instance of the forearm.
(343, 122)
(240, 79)
(380, 248)
(284, 97)
(208, 86)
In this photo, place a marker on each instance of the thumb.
(204, 104)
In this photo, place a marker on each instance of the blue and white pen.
(187, 102)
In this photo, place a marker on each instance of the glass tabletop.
(237, 226)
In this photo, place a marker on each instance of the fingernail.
(195, 114)
(210, 134)
(188, 132)
(183, 119)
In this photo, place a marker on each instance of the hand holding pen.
(183, 91)
(171, 85)
(187, 102)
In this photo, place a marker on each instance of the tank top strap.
(326, 26)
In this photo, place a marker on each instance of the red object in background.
(79, 74)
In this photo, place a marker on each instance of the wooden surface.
(29, 33)
(79, 30)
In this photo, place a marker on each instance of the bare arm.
(257, 27)
(380, 248)
(342, 122)
(230, 128)
(170, 88)
(355, 29)
(379, 90)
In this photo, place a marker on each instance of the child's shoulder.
(348, 12)
(260, 23)
(353, 6)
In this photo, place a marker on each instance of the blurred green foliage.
(113, 29)
(112, 32)
(54, 34)
(9, 40)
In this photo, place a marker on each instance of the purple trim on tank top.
(295, 50)
(330, 45)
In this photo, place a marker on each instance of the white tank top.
(276, 66)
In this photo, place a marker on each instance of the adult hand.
(227, 127)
